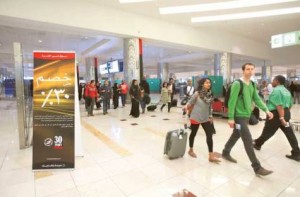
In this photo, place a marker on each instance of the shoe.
(192, 154)
(255, 146)
(294, 157)
(212, 158)
(229, 158)
(263, 172)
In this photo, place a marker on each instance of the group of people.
(199, 108)
(240, 107)
(94, 94)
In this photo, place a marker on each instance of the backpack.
(227, 96)
(147, 99)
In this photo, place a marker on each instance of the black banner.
(53, 110)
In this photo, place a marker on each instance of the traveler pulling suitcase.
(175, 143)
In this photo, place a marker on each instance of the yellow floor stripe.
(161, 134)
(106, 140)
(39, 175)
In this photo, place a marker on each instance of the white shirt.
(270, 88)
(190, 90)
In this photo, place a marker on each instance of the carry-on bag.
(152, 106)
(175, 143)
(174, 103)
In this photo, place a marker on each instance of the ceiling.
(89, 43)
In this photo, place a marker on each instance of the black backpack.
(147, 99)
(227, 96)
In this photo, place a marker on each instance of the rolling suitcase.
(175, 143)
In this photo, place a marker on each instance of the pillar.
(19, 78)
(132, 60)
(222, 66)
(90, 68)
(163, 72)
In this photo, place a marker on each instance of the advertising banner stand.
(54, 110)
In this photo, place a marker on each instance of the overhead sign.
(286, 39)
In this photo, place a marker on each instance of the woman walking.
(116, 93)
(201, 114)
(134, 92)
(165, 96)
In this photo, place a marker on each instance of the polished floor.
(122, 159)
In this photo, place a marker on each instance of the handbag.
(185, 100)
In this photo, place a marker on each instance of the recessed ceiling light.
(245, 15)
(219, 6)
(0, 44)
(40, 41)
(134, 1)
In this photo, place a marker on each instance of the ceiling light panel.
(219, 6)
(134, 1)
(245, 15)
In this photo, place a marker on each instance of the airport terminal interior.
(116, 154)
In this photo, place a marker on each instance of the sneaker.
(263, 172)
(294, 157)
(229, 158)
(256, 146)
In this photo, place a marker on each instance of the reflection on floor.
(125, 160)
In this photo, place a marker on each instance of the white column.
(131, 60)
(163, 72)
(222, 66)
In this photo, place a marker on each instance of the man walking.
(280, 102)
(91, 95)
(239, 111)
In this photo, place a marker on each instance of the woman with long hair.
(201, 114)
(165, 96)
(134, 92)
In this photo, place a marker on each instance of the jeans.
(123, 99)
(245, 134)
(143, 105)
(271, 126)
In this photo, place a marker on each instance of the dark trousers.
(209, 131)
(143, 105)
(169, 106)
(116, 101)
(271, 126)
(245, 134)
(106, 104)
(91, 107)
(123, 99)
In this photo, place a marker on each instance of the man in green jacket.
(280, 102)
(239, 112)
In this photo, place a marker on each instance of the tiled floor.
(125, 160)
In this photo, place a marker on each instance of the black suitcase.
(151, 107)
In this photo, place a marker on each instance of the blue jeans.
(245, 134)
(143, 105)
(123, 99)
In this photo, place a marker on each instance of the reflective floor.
(121, 159)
